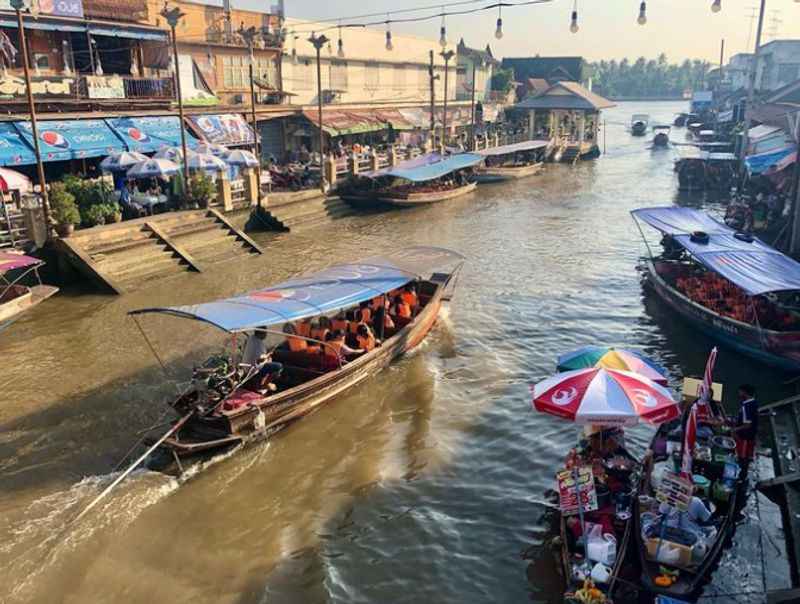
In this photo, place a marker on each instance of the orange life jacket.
(409, 298)
(319, 334)
(303, 329)
(297, 344)
(366, 342)
(403, 310)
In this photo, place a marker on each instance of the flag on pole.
(689, 439)
(705, 391)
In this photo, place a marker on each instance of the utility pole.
(432, 79)
(173, 15)
(249, 35)
(750, 89)
(472, 116)
(446, 55)
(318, 42)
(721, 60)
(17, 6)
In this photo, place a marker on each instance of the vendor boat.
(509, 162)
(729, 285)
(219, 411)
(16, 297)
(661, 137)
(677, 560)
(639, 123)
(426, 179)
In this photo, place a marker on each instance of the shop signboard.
(12, 86)
(568, 492)
(105, 87)
(72, 139)
(675, 491)
(224, 129)
(57, 8)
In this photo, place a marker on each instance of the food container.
(723, 446)
(702, 485)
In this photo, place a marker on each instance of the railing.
(149, 88)
(131, 88)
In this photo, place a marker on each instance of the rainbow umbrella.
(612, 358)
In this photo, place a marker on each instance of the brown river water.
(431, 482)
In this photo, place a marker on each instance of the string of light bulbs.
(716, 7)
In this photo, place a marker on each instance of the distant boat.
(16, 298)
(661, 138)
(639, 123)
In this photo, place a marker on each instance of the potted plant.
(63, 209)
(201, 190)
(95, 215)
(113, 212)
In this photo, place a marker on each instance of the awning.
(72, 139)
(753, 266)
(428, 166)
(327, 291)
(128, 31)
(10, 261)
(146, 134)
(341, 122)
(757, 133)
(762, 162)
(11, 22)
(14, 150)
(515, 148)
(224, 129)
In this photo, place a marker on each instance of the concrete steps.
(307, 213)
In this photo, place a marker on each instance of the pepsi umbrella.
(212, 149)
(612, 358)
(153, 168)
(604, 397)
(238, 157)
(206, 162)
(174, 154)
(120, 162)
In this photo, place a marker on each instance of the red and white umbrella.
(13, 181)
(604, 397)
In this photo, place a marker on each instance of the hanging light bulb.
(389, 45)
(717, 6)
(642, 13)
(573, 26)
(294, 50)
(340, 51)
(498, 33)
(443, 33)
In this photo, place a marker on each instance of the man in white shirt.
(256, 355)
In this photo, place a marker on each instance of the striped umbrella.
(239, 157)
(604, 397)
(612, 358)
(174, 154)
(212, 149)
(120, 162)
(153, 168)
(206, 162)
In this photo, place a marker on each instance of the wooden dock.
(127, 255)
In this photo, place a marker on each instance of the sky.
(608, 30)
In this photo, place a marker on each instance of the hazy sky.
(608, 28)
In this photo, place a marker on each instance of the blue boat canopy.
(752, 265)
(327, 291)
(428, 166)
(515, 148)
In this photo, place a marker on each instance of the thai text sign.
(105, 87)
(568, 493)
(11, 86)
(58, 8)
(676, 491)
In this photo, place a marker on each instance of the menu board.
(568, 492)
(675, 490)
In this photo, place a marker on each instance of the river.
(431, 482)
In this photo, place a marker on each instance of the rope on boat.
(150, 345)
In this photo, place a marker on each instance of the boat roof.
(505, 149)
(752, 265)
(427, 167)
(327, 291)
(11, 260)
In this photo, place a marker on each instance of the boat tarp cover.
(327, 291)
(9, 261)
(428, 166)
(516, 147)
(754, 266)
(760, 163)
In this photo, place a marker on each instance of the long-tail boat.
(661, 135)
(220, 411)
(425, 179)
(728, 284)
(16, 297)
(508, 162)
(639, 124)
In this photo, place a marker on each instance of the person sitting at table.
(130, 208)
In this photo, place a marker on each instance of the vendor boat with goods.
(604, 390)
(639, 124)
(694, 487)
(308, 340)
(703, 170)
(15, 296)
(509, 162)
(730, 285)
(425, 179)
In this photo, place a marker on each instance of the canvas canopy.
(752, 265)
(9, 261)
(428, 166)
(515, 148)
(327, 291)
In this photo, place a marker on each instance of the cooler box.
(670, 553)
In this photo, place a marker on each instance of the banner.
(13, 86)
(224, 129)
(72, 139)
(57, 8)
(105, 87)
(568, 494)
(675, 490)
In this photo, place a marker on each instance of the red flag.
(705, 391)
(689, 439)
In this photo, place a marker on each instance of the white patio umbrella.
(174, 154)
(239, 157)
(206, 162)
(212, 149)
(11, 180)
(120, 162)
(153, 168)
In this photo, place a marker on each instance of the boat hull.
(661, 140)
(638, 129)
(18, 299)
(501, 174)
(779, 349)
(418, 199)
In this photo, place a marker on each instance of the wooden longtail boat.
(234, 415)
(509, 162)
(661, 137)
(15, 297)
(699, 244)
(639, 124)
(412, 199)
(692, 571)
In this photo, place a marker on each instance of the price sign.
(675, 490)
(569, 492)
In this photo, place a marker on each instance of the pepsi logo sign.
(54, 139)
(138, 135)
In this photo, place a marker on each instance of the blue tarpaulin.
(760, 163)
(72, 139)
(752, 265)
(14, 151)
(327, 291)
(146, 134)
(428, 167)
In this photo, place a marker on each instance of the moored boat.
(661, 136)
(639, 124)
(509, 162)
(16, 297)
(222, 408)
(729, 285)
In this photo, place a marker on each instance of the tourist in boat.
(365, 337)
(340, 323)
(303, 328)
(409, 296)
(298, 344)
(321, 330)
(336, 345)
(401, 309)
(382, 319)
(259, 359)
(365, 312)
(745, 428)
